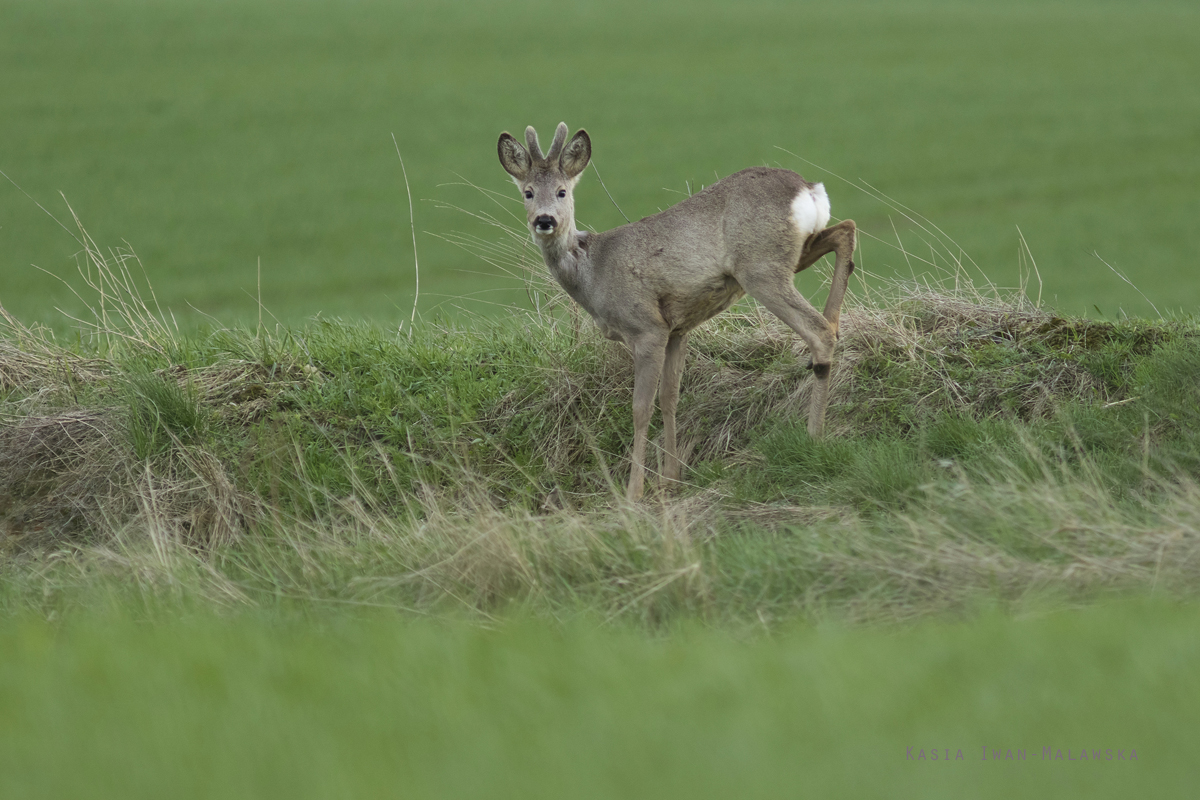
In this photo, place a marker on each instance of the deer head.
(547, 182)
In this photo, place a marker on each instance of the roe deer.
(648, 283)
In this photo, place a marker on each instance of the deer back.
(680, 266)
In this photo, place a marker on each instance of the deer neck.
(565, 254)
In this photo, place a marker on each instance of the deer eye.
(562, 192)
(528, 194)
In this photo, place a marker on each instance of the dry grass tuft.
(1008, 543)
(72, 476)
(1063, 536)
(57, 475)
(29, 360)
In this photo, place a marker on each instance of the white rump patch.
(810, 210)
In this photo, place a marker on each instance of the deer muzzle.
(545, 224)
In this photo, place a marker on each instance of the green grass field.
(265, 706)
(353, 557)
(212, 135)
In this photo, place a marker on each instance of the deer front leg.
(648, 355)
(669, 399)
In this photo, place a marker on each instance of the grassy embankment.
(981, 450)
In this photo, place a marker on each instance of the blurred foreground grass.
(351, 705)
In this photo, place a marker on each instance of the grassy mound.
(980, 447)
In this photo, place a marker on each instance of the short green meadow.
(245, 149)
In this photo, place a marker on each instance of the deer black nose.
(545, 222)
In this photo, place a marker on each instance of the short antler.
(532, 140)
(560, 138)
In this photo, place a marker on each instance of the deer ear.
(577, 154)
(513, 157)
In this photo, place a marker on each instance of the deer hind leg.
(648, 355)
(774, 289)
(840, 239)
(669, 400)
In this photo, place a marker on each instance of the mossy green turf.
(273, 705)
(211, 135)
(433, 405)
